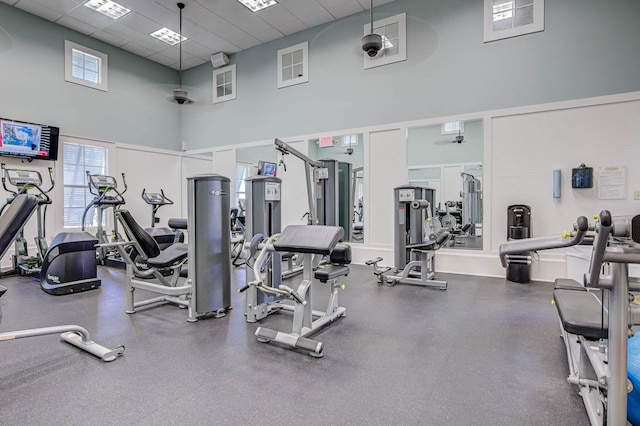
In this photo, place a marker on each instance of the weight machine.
(106, 196)
(596, 336)
(417, 236)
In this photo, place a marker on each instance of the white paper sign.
(612, 183)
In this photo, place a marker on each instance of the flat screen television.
(266, 168)
(28, 140)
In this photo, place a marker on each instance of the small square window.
(224, 87)
(511, 18)
(293, 65)
(394, 41)
(452, 127)
(85, 66)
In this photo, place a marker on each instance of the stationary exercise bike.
(25, 181)
(106, 196)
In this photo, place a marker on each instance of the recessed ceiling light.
(107, 7)
(168, 36)
(256, 5)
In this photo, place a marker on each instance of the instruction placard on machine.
(406, 195)
(272, 191)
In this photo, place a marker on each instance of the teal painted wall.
(589, 48)
(135, 110)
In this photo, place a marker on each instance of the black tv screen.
(29, 140)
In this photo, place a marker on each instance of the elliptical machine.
(24, 181)
(163, 236)
(106, 196)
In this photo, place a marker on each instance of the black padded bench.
(340, 257)
(580, 312)
(568, 284)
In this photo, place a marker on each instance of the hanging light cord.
(371, 14)
(181, 6)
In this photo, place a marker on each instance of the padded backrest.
(14, 218)
(136, 233)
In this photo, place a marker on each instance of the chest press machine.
(596, 336)
(310, 241)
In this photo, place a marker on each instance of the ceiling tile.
(163, 59)
(138, 22)
(252, 25)
(269, 35)
(134, 47)
(193, 62)
(229, 10)
(196, 49)
(62, 6)
(151, 43)
(79, 26)
(247, 43)
(203, 16)
(191, 29)
(333, 3)
(292, 27)
(345, 9)
(301, 8)
(90, 17)
(123, 31)
(173, 52)
(211, 41)
(276, 16)
(39, 10)
(109, 38)
(229, 48)
(160, 14)
(9, 2)
(317, 19)
(230, 33)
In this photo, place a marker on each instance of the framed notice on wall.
(612, 183)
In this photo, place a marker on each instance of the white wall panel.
(387, 169)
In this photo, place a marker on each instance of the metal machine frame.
(597, 366)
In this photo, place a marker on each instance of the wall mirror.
(349, 149)
(448, 158)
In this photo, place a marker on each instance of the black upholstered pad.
(580, 313)
(314, 239)
(14, 218)
(177, 223)
(569, 284)
(330, 272)
(135, 232)
(169, 256)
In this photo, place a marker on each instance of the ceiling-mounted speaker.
(219, 59)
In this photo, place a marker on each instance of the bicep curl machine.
(595, 336)
(310, 241)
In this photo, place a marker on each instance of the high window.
(85, 66)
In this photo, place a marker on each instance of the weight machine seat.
(169, 256)
(568, 284)
(156, 258)
(314, 239)
(14, 218)
(581, 313)
(331, 272)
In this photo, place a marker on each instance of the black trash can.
(519, 227)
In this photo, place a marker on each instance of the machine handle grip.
(603, 230)
(293, 294)
(244, 288)
(124, 181)
(372, 261)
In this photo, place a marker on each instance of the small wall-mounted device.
(219, 59)
(557, 183)
(582, 177)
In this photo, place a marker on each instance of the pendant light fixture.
(372, 43)
(180, 95)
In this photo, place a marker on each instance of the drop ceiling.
(211, 26)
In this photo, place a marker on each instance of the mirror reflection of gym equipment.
(448, 158)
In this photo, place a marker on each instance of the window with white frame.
(224, 84)
(85, 66)
(350, 140)
(394, 41)
(79, 158)
(243, 171)
(293, 65)
(510, 18)
(452, 127)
